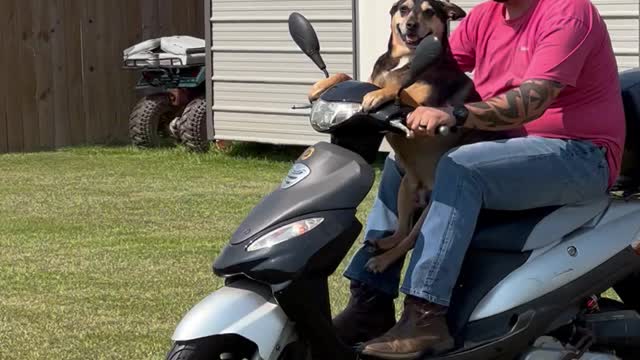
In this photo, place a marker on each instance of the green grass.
(102, 250)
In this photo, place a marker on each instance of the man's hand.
(424, 121)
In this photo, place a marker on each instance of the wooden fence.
(63, 83)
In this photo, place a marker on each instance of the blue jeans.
(513, 174)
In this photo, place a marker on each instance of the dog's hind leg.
(406, 207)
(380, 263)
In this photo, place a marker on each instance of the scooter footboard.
(243, 308)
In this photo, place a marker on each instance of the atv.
(173, 107)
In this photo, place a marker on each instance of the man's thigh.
(529, 172)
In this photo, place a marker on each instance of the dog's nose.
(412, 25)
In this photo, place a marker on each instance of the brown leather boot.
(369, 314)
(422, 330)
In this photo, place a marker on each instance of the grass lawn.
(104, 249)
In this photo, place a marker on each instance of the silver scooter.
(530, 284)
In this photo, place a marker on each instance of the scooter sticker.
(297, 173)
(307, 154)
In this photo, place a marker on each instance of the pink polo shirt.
(561, 40)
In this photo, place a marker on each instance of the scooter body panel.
(553, 267)
(243, 308)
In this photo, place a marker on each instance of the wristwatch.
(460, 113)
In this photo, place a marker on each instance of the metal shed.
(257, 72)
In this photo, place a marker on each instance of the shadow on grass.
(281, 153)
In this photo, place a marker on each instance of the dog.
(441, 84)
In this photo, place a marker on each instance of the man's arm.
(504, 112)
(514, 108)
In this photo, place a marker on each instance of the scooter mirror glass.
(304, 35)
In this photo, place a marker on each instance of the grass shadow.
(259, 151)
(280, 153)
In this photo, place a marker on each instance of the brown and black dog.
(441, 84)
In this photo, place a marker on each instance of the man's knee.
(457, 160)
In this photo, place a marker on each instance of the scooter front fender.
(243, 308)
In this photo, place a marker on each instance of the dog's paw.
(325, 84)
(374, 99)
(377, 265)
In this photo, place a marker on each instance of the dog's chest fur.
(389, 69)
(419, 156)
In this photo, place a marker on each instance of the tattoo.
(516, 107)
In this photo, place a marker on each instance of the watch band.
(461, 114)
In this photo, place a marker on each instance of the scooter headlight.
(285, 233)
(325, 115)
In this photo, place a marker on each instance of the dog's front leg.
(417, 94)
(376, 98)
(325, 84)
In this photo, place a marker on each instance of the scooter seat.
(522, 231)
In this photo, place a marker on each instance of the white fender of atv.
(244, 308)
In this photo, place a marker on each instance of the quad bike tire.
(193, 126)
(148, 120)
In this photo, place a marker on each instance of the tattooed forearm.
(514, 108)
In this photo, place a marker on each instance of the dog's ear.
(394, 8)
(453, 11)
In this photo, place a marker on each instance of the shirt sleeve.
(561, 50)
(463, 44)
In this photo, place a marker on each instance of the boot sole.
(434, 351)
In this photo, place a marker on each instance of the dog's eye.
(404, 10)
(429, 13)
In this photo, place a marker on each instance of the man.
(547, 72)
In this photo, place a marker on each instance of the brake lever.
(398, 124)
(302, 107)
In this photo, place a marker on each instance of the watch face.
(461, 114)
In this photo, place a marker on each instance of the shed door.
(259, 73)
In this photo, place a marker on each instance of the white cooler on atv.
(166, 51)
(173, 71)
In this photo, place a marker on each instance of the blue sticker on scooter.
(297, 173)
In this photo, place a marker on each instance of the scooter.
(528, 289)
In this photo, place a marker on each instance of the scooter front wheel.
(212, 349)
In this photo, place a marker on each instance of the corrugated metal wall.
(258, 72)
(622, 18)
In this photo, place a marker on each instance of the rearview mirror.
(304, 35)
(428, 52)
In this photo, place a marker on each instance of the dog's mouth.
(412, 39)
